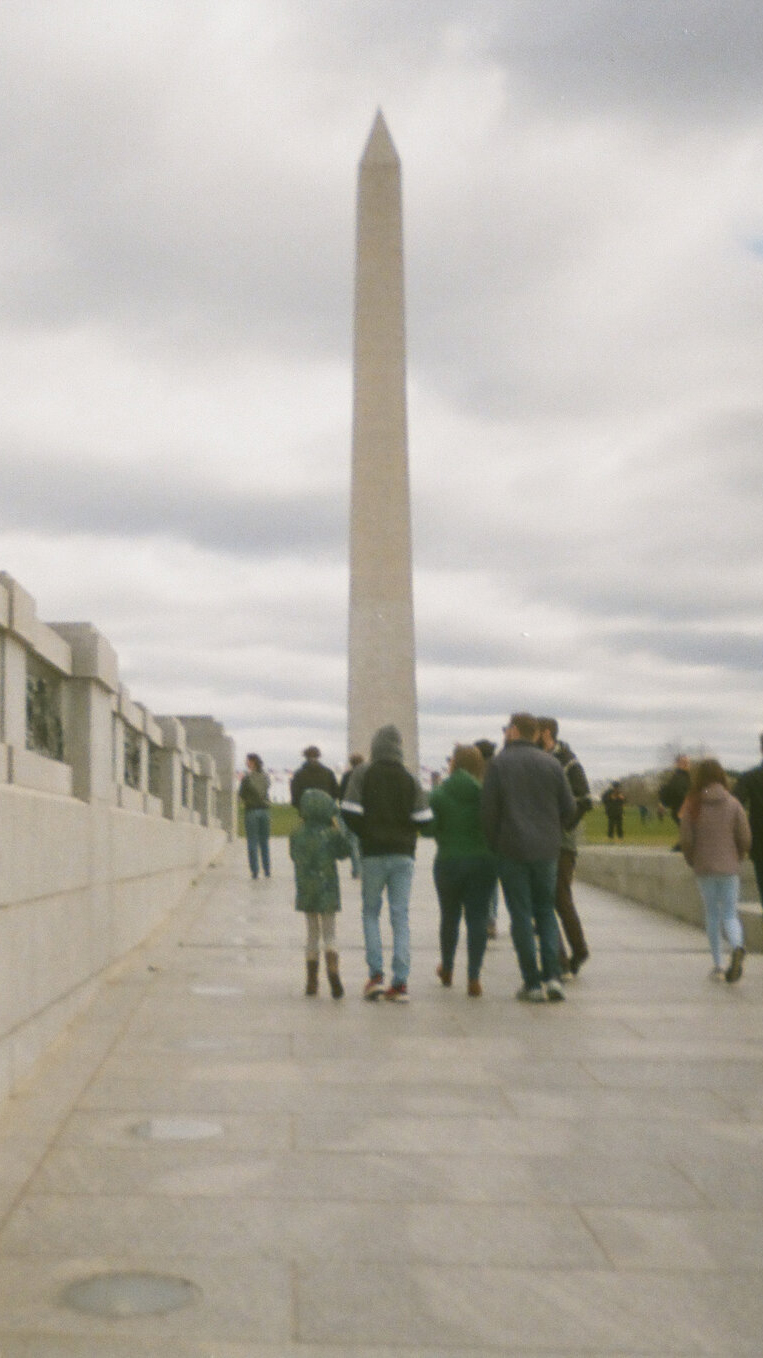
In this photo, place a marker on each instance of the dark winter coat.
(384, 805)
(526, 803)
(313, 774)
(314, 847)
(457, 820)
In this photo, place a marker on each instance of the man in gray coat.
(526, 806)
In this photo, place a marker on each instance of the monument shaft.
(382, 661)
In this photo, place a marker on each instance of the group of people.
(506, 818)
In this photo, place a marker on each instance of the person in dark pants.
(749, 791)
(464, 868)
(253, 791)
(548, 730)
(313, 774)
(526, 804)
(673, 790)
(613, 802)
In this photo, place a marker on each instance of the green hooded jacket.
(314, 847)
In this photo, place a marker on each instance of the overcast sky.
(583, 222)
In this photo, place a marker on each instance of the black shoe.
(576, 962)
(734, 970)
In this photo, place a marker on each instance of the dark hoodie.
(384, 805)
(457, 821)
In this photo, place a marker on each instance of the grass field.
(658, 833)
(283, 819)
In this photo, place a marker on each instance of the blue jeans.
(257, 826)
(529, 890)
(720, 892)
(464, 884)
(395, 872)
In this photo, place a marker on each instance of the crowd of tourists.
(500, 818)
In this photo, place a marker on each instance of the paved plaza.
(458, 1177)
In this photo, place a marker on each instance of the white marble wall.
(92, 857)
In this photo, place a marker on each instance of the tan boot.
(332, 971)
(312, 976)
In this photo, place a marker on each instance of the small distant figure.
(313, 774)
(749, 790)
(255, 796)
(673, 790)
(643, 812)
(715, 836)
(355, 761)
(314, 848)
(613, 801)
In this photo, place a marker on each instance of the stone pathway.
(451, 1179)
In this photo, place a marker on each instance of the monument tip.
(380, 148)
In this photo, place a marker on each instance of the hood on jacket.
(460, 786)
(316, 806)
(387, 744)
(714, 792)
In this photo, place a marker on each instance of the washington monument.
(382, 659)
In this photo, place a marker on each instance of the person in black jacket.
(749, 791)
(313, 774)
(385, 806)
(673, 790)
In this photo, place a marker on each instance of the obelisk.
(382, 660)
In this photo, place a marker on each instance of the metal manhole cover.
(130, 1294)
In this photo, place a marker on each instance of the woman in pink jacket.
(715, 836)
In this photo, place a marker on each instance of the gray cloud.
(66, 495)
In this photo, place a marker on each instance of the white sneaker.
(532, 994)
(554, 991)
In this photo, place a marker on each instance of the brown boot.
(332, 971)
(312, 976)
(474, 988)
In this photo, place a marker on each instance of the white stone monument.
(382, 660)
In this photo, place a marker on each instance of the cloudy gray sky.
(583, 218)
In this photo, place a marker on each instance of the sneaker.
(554, 991)
(398, 994)
(734, 970)
(716, 973)
(576, 962)
(532, 994)
(474, 989)
(373, 988)
(445, 976)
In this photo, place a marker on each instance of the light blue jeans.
(720, 892)
(257, 826)
(395, 872)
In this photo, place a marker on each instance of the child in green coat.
(314, 847)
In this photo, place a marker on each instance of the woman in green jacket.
(464, 868)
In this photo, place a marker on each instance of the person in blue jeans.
(526, 805)
(464, 868)
(385, 806)
(254, 793)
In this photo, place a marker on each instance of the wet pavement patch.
(130, 1294)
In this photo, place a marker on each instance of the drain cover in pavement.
(177, 1129)
(130, 1294)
